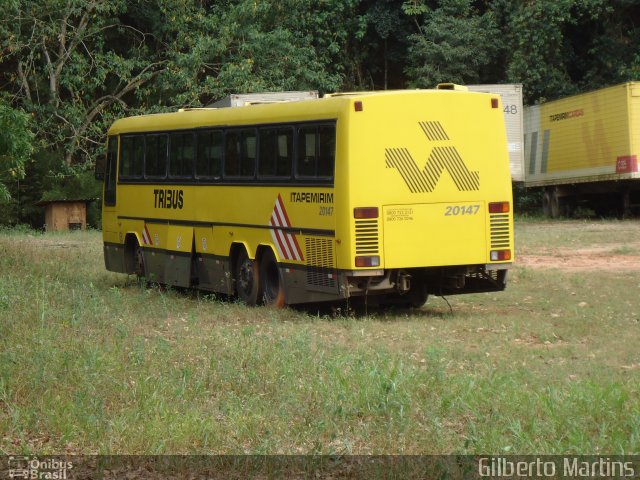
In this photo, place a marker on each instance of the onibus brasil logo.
(443, 157)
(34, 468)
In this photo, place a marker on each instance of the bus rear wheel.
(271, 281)
(247, 279)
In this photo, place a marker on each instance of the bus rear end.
(429, 194)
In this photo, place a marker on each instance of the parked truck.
(582, 151)
(511, 96)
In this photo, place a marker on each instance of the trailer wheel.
(555, 204)
(247, 279)
(546, 203)
(271, 281)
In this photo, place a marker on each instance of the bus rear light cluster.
(500, 255)
(365, 212)
(494, 103)
(369, 261)
(499, 207)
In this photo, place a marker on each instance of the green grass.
(92, 362)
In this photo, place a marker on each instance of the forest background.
(69, 68)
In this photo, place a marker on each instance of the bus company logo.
(285, 242)
(440, 159)
(39, 469)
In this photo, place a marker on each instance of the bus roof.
(330, 106)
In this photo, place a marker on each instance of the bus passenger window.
(306, 164)
(276, 149)
(131, 156)
(209, 160)
(240, 153)
(232, 153)
(181, 155)
(326, 150)
(155, 162)
(248, 165)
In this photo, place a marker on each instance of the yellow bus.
(389, 195)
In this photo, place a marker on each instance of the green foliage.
(15, 146)
(74, 66)
(454, 44)
(527, 201)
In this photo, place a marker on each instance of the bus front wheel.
(247, 279)
(271, 281)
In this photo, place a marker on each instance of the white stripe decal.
(146, 239)
(285, 242)
(276, 241)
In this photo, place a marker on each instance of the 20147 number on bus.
(390, 195)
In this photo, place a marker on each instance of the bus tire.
(138, 262)
(247, 279)
(271, 281)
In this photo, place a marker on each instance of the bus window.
(131, 156)
(240, 153)
(316, 151)
(155, 161)
(110, 174)
(326, 150)
(306, 164)
(209, 160)
(181, 155)
(276, 152)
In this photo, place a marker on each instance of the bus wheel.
(271, 281)
(247, 280)
(138, 263)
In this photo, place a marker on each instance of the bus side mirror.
(100, 164)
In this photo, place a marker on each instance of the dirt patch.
(610, 257)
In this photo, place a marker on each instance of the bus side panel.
(178, 260)
(634, 121)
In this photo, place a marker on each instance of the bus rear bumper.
(435, 280)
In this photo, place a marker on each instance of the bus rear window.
(131, 156)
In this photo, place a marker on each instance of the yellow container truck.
(583, 151)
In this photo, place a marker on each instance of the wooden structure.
(63, 215)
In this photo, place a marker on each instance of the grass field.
(93, 362)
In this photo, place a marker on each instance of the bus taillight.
(499, 207)
(370, 261)
(365, 212)
(500, 255)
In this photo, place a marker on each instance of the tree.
(16, 146)
(454, 42)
